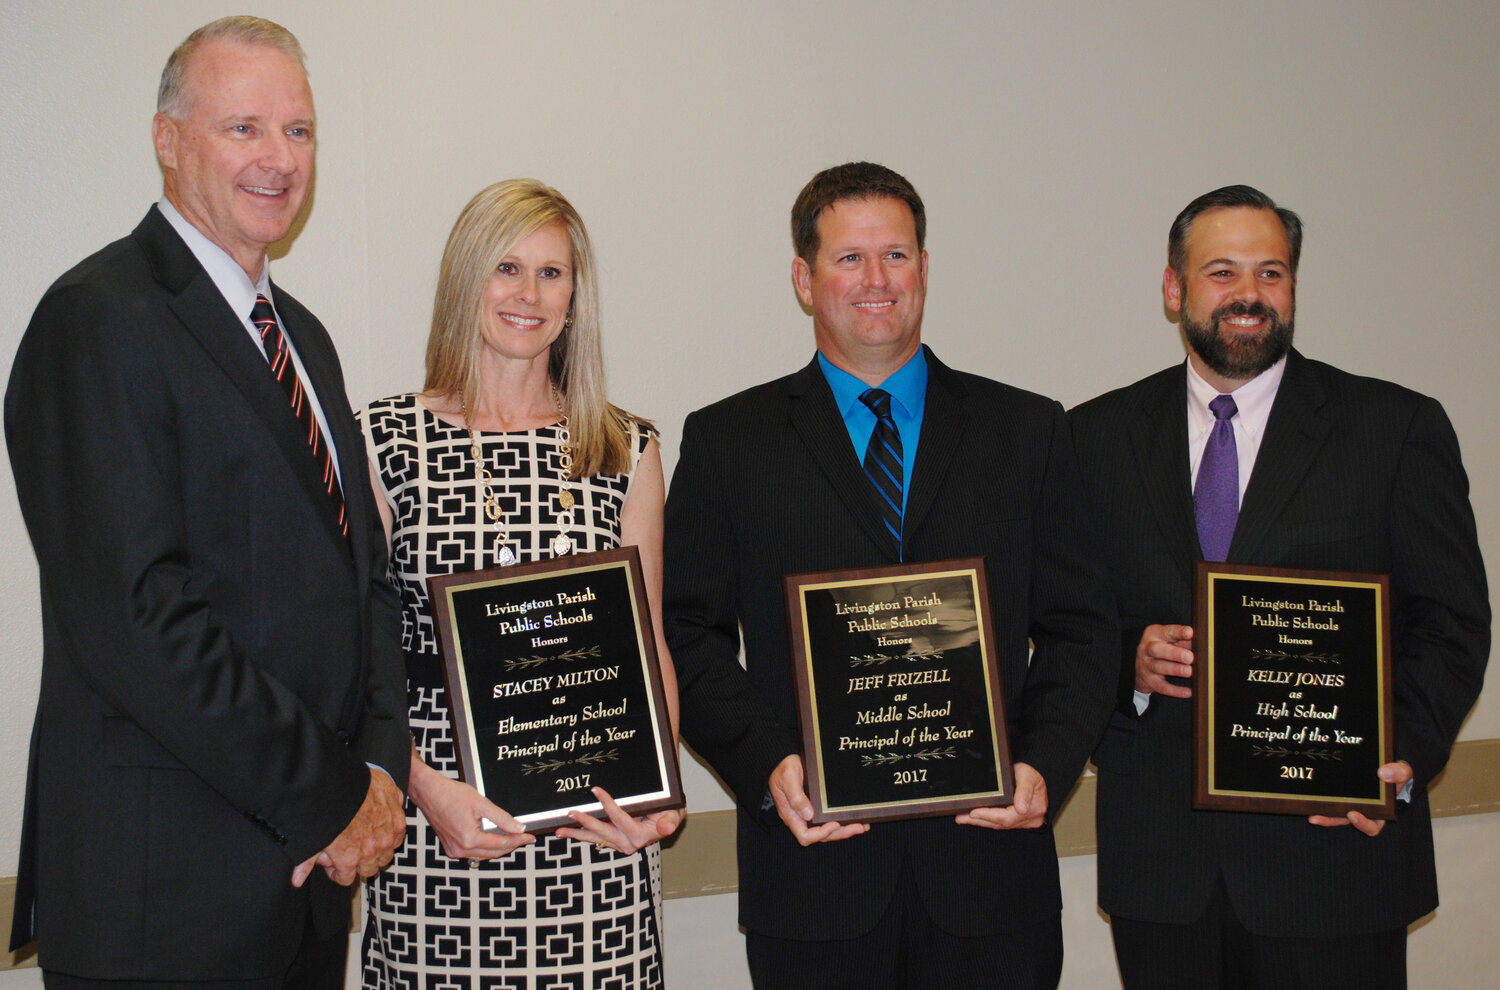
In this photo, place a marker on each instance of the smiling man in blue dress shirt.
(773, 481)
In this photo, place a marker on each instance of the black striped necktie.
(883, 460)
(280, 356)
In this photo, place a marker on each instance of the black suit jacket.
(1352, 474)
(217, 666)
(768, 484)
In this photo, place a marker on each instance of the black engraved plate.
(1292, 691)
(556, 687)
(898, 691)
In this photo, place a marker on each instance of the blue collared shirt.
(908, 389)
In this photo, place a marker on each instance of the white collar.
(227, 275)
(1253, 400)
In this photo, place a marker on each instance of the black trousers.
(906, 951)
(1216, 952)
(319, 966)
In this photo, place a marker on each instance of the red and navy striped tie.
(280, 356)
(883, 461)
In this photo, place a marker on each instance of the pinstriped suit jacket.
(768, 484)
(1352, 474)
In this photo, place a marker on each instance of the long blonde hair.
(488, 229)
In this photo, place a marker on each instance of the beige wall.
(1053, 144)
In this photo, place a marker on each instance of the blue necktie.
(883, 460)
(1216, 497)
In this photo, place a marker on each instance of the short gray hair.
(242, 28)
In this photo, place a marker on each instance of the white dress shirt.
(1252, 401)
(237, 289)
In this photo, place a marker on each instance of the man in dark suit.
(770, 483)
(1330, 471)
(222, 702)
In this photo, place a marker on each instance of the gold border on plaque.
(972, 575)
(971, 570)
(1380, 692)
(466, 744)
(1207, 795)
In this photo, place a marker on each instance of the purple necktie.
(1216, 498)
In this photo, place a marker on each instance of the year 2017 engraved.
(576, 783)
(1297, 773)
(908, 776)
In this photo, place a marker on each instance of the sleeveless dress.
(558, 913)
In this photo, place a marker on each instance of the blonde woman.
(515, 373)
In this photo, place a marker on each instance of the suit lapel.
(944, 421)
(320, 362)
(1295, 432)
(820, 426)
(1158, 440)
(205, 315)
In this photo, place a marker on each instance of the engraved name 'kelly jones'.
(575, 678)
(1292, 677)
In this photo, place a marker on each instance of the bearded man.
(1324, 470)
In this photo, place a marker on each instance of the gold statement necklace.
(562, 543)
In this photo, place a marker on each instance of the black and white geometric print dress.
(558, 913)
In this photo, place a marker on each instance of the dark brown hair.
(852, 180)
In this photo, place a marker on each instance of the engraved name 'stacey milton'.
(548, 682)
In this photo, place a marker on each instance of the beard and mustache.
(1235, 355)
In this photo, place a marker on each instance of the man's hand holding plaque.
(1164, 652)
(1397, 774)
(1292, 695)
(788, 789)
(1028, 807)
(899, 700)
